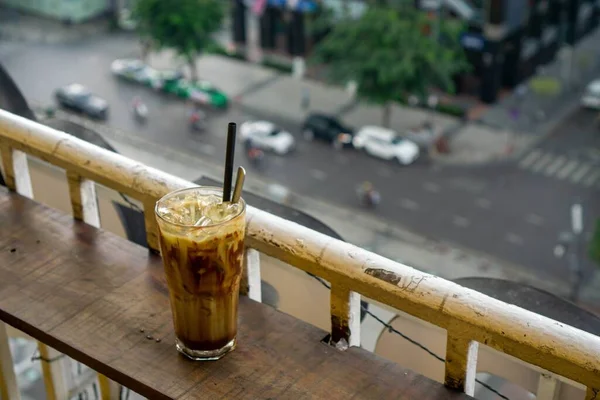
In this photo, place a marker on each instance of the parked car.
(169, 81)
(77, 97)
(328, 128)
(202, 92)
(591, 97)
(130, 69)
(267, 136)
(137, 71)
(386, 144)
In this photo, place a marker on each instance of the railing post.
(53, 371)
(592, 393)
(151, 225)
(461, 363)
(109, 390)
(548, 387)
(9, 389)
(83, 199)
(250, 284)
(16, 171)
(345, 317)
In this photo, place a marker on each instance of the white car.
(385, 143)
(591, 97)
(128, 67)
(267, 136)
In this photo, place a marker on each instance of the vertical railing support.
(16, 171)
(53, 371)
(250, 284)
(592, 393)
(84, 201)
(548, 387)
(109, 390)
(9, 389)
(461, 363)
(345, 317)
(151, 225)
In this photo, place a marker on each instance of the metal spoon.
(239, 184)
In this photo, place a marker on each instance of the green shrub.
(451, 109)
(222, 51)
(278, 65)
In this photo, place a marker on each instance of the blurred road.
(509, 211)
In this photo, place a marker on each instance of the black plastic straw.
(229, 154)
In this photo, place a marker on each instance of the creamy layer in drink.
(202, 244)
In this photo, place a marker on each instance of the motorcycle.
(140, 111)
(368, 198)
(197, 122)
(256, 156)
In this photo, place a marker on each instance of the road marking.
(408, 204)
(460, 221)
(483, 203)
(431, 187)
(530, 158)
(556, 164)
(542, 162)
(580, 173)
(318, 174)
(385, 172)
(534, 219)
(514, 239)
(567, 169)
(591, 178)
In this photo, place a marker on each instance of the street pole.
(577, 228)
(570, 245)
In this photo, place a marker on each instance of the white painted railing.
(468, 317)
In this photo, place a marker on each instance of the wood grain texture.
(89, 293)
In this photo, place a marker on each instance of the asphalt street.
(506, 210)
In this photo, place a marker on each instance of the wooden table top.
(89, 293)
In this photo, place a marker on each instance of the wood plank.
(89, 294)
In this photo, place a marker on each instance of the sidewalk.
(23, 27)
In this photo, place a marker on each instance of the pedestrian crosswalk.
(558, 166)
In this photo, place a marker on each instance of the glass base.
(205, 355)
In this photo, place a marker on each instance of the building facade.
(72, 11)
(514, 38)
(505, 42)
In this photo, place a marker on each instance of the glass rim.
(178, 191)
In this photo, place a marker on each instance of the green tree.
(390, 53)
(594, 246)
(187, 26)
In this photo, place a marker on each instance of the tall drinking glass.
(202, 245)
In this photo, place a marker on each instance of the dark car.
(328, 128)
(77, 97)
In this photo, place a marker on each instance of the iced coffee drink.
(202, 244)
